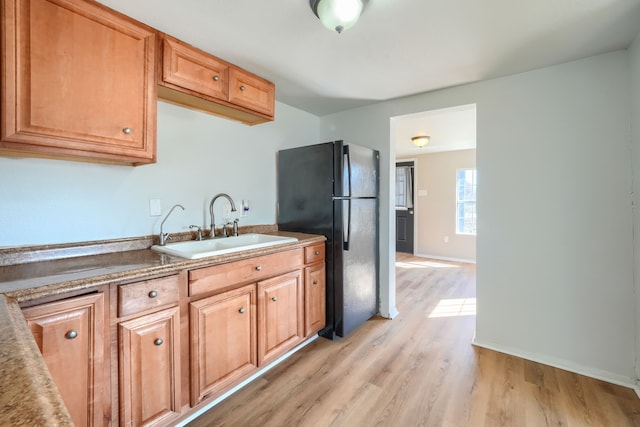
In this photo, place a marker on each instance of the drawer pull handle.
(317, 252)
(127, 131)
(242, 88)
(315, 282)
(71, 335)
(274, 299)
(242, 310)
(153, 294)
(216, 78)
(258, 268)
(158, 341)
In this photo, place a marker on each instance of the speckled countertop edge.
(28, 395)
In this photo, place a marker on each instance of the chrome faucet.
(165, 236)
(213, 222)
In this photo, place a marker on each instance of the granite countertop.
(28, 396)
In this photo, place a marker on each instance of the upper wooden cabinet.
(78, 82)
(196, 79)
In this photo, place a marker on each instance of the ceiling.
(398, 48)
(448, 128)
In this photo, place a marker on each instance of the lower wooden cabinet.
(141, 353)
(223, 341)
(149, 368)
(280, 315)
(314, 298)
(70, 335)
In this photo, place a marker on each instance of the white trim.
(445, 258)
(391, 315)
(259, 373)
(566, 365)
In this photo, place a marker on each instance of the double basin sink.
(195, 249)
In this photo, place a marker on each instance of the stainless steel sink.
(204, 248)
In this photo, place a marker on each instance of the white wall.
(199, 155)
(634, 59)
(554, 244)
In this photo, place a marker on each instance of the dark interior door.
(404, 207)
(404, 230)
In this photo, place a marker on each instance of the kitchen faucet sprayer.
(233, 209)
(165, 236)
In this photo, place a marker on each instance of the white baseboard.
(391, 315)
(444, 258)
(566, 365)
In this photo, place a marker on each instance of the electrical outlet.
(446, 239)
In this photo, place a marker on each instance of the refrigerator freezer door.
(305, 189)
(356, 171)
(355, 263)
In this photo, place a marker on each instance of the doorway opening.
(427, 186)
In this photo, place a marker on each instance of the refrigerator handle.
(346, 236)
(347, 157)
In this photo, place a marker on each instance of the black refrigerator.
(332, 189)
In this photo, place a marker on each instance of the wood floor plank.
(420, 369)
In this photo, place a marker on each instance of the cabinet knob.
(127, 131)
(71, 334)
(317, 252)
(216, 78)
(242, 310)
(315, 282)
(242, 88)
(274, 299)
(153, 294)
(258, 268)
(158, 341)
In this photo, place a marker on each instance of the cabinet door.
(150, 368)
(314, 298)
(70, 335)
(251, 91)
(280, 315)
(78, 81)
(192, 69)
(223, 341)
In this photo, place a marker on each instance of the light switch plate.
(155, 208)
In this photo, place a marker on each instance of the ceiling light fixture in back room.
(420, 141)
(338, 15)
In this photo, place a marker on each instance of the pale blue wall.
(634, 61)
(51, 201)
(554, 244)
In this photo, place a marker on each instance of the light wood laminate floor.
(420, 369)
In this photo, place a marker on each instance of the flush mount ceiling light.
(420, 141)
(338, 15)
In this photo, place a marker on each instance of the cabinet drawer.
(314, 253)
(224, 276)
(147, 295)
